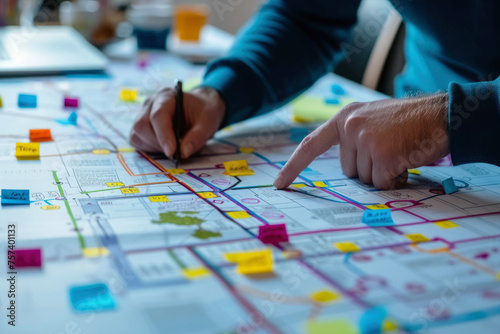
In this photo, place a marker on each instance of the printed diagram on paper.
(157, 237)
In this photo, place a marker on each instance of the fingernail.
(187, 150)
(278, 182)
(166, 151)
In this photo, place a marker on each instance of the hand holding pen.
(156, 127)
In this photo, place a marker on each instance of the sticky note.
(1, 102)
(414, 171)
(389, 326)
(372, 320)
(299, 185)
(252, 262)
(417, 237)
(308, 108)
(238, 214)
(71, 120)
(50, 207)
(129, 190)
(237, 168)
(377, 217)
(347, 247)
(195, 273)
(298, 134)
(161, 198)
(95, 297)
(446, 224)
(26, 101)
(174, 171)
(336, 326)
(207, 194)
(95, 252)
(28, 151)
(40, 135)
(332, 101)
(70, 102)
(247, 150)
(271, 234)
(100, 151)
(325, 296)
(126, 149)
(449, 186)
(115, 184)
(377, 206)
(337, 89)
(15, 196)
(28, 258)
(128, 95)
(320, 184)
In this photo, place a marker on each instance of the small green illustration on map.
(172, 217)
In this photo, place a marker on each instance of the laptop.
(46, 50)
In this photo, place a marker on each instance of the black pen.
(178, 120)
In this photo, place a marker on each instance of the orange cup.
(189, 20)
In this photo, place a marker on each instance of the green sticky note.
(330, 326)
(308, 108)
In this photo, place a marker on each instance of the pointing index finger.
(315, 144)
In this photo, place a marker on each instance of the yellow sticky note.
(207, 194)
(299, 185)
(417, 237)
(237, 168)
(95, 252)
(414, 171)
(100, 151)
(252, 262)
(129, 95)
(246, 150)
(347, 247)
(28, 151)
(174, 171)
(330, 327)
(51, 207)
(238, 214)
(377, 207)
(161, 198)
(126, 149)
(129, 190)
(498, 277)
(1, 102)
(194, 273)
(389, 326)
(446, 224)
(325, 296)
(314, 109)
(320, 184)
(114, 184)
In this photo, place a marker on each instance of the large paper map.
(129, 244)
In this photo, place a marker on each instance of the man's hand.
(153, 130)
(379, 141)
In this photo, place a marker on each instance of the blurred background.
(373, 56)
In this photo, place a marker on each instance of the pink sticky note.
(271, 234)
(70, 102)
(28, 258)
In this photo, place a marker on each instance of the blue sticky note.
(337, 89)
(332, 101)
(72, 119)
(381, 217)
(371, 321)
(298, 134)
(26, 101)
(95, 297)
(449, 186)
(15, 196)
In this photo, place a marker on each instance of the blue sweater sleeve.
(474, 122)
(290, 44)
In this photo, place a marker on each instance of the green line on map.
(95, 191)
(68, 208)
(176, 259)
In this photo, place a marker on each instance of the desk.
(130, 246)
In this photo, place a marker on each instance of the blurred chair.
(375, 51)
